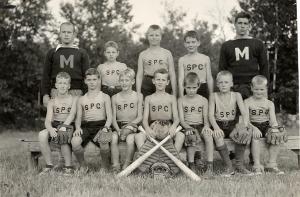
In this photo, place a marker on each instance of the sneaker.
(116, 168)
(208, 174)
(258, 170)
(68, 171)
(228, 172)
(46, 170)
(244, 171)
(274, 170)
(192, 166)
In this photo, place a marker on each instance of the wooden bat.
(179, 163)
(142, 158)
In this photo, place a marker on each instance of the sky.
(147, 12)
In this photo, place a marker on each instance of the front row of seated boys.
(96, 113)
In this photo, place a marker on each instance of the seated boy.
(193, 114)
(160, 114)
(262, 116)
(127, 113)
(222, 116)
(93, 122)
(60, 110)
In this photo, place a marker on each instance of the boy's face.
(154, 37)
(62, 85)
(126, 82)
(160, 81)
(259, 91)
(67, 34)
(191, 89)
(92, 82)
(224, 83)
(191, 44)
(242, 26)
(111, 54)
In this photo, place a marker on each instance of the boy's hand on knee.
(172, 131)
(256, 132)
(207, 131)
(77, 132)
(189, 131)
(218, 133)
(53, 133)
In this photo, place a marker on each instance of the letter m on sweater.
(67, 62)
(241, 54)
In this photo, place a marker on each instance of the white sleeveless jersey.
(225, 112)
(258, 111)
(160, 109)
(193, 112)
(62, 108)
(110, 73)
(94, 108)
(127, 108)
(153, 61)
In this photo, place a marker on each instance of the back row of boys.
(155, 65)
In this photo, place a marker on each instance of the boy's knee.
(130, 139)
(114, 138)
(43, 135)
(76, 143)
(179, 136)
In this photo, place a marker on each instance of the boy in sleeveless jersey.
(262, 115)
(60, 110)
(127, 112)
(197, 63)
(93, 115)
(110, 70)
(193, 114)
(153, 58)
(222, 116)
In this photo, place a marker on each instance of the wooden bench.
(34, 151)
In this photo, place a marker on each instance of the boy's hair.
(63, 75)
(67, 23)
(129, 72)
(161, 71)
(92, 71)
(111, 44)
(154, 27)
(191, 34)
(242, 15)
(259, 80)
(224, 73)
(191, 78)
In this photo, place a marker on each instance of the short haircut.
(191, 77)
(154, 27)
(224, 73)
(92, 71)
(242, 15)
(191, 34)
(69, 24)
(111, 44)
(161, 71)
(259, 80)
(63, 75)
(129, 72)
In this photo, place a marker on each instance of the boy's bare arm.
(72, 114)
(114, 114)
(180, 77)
(78, 116)
(146, 115)
(140, 73)
(273, 121)
(210, 81)
(49, 116)
(172, 74)
(211, 113)
(241, 106)
(205, 113)
(108, 110)
(139, 110)
(172, 129)
(181, 114)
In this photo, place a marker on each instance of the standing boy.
(222, 116)
(127, 112)
(244, 56)
(60, 110)
(262, 116)
(93, 122)
(110, 70)
(65, 57)
(193, 115)
(197, 63)
(152, 59)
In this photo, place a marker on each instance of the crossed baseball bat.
(158, 145)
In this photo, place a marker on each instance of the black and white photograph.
(149, 98)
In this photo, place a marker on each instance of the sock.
(105, 158)
(79, 153)
(223, 151)
(209, 165)
(197, 158)
(239, 152)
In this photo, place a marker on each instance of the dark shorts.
(227, 126)
(262, 126)
(111, 90)
(203, 90)
(148, 87)
(199, 128)
(89, 131)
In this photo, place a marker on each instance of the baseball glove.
(64, 134)
(241, 134)
(128, 129)
(191, 137)
(160, 128)
(160, 170)
(276, 135)
(104, 136)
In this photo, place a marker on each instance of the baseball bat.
(179, 163)
(142, 158)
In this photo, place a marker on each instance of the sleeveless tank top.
(193, 112)
(62, 108)
(94, 108)
(155, 60)
(225, 111)
(110, 73)
(127, 108)
(258, 112)
(197, 65)
(160, 109)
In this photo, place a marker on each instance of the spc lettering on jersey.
(92, 106)
(227, 114)
(190, 67)
(160, 108)
(153, 62)
(112, 72)
(62, 110)
(192, 109)
(125, 106)
(258, 112)
(242, 54)
(66, 62)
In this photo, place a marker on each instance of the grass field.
(15, 180)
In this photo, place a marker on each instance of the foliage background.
(26, 30)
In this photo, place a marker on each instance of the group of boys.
(111, 101)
